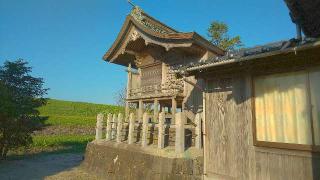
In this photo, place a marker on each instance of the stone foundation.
(110, 160)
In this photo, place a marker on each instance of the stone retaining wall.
(120, 161)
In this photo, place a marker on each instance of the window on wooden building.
(287, 108)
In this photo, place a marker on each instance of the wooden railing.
(146, 133)
(155, 90)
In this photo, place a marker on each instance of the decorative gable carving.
(134, 35)
(137, 14)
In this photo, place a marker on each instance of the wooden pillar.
(114, 127)
(131, 128)
(119, 128)
(99, 126)
(180, 135)
(108, 129)
(173, 110)
(198, 140)
(144, 130)
(140, 111)
(161, 130)
(129, 85)
(155, 110)
(204, 101)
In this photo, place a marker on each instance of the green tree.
(21, 95)
(218, 34)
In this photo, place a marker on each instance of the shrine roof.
(157, 33)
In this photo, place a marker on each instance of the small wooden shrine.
(150, 50)
(160, 135)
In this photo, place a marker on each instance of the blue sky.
(64, 40)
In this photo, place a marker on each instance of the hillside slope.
(70, 126)
(69, 113)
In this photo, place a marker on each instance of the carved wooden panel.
(148, 57)
(135, 81)
(151, 75)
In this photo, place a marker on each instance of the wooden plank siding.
(227, 127)
(229, 149)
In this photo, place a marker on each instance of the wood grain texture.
(229, 149)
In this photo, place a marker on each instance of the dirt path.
(56, 166)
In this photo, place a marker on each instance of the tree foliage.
(21, 95)
(218, 34)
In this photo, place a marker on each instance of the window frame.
(280, 145)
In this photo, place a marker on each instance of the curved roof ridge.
(145, 19)
(155, 29)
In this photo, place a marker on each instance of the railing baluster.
(108, 129)
(161, 130)
(99, 126)
(180, 135)
(114, 126)
(131, 128)
(119, 128)
(144, 130)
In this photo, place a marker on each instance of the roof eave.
(181, 37)
(192, 70)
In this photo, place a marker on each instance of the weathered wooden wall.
(229, 149)
(227, 127)
(193, 97)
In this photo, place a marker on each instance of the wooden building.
(150, 50)
(260, 106)
(262, 117)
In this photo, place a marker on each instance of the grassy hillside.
(68, 113)
(70, 126)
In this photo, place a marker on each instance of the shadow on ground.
(42, 164)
